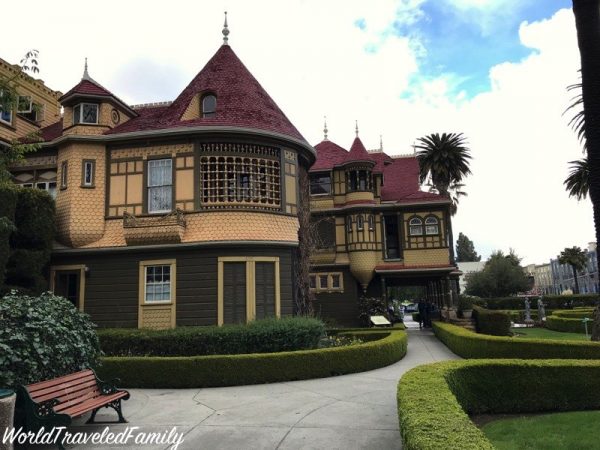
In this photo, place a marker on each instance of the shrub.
(416, 316)
(261, 336)
(465, 303)
(8, 202)
(496, 323)
(467, 344)
(550, 302)
(568, 324)
(434, 400)
(574, 313)
(43, 337)
(370, 306)
(229, 370)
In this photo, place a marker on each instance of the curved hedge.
(579, 313)
(550, 301)
(434, 400)
(467, 344)
(231, 370)
(567, 325)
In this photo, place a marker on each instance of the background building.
(562, 275)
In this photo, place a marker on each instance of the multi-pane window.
(87, 175)
(415, 226)
(5, 116)
(320, 184)
(48, 186)
(359, 180)
(326, 282)
(160, 185)
(209, 106)
(432, 225)
(85, 113)
(158, 284)
(239, 181)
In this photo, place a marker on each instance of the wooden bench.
(57, 402)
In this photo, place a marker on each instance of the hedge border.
(567, 324)
(233, 370)
(467, 344)
(579, 313)
(434, 399)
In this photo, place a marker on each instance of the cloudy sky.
(496, 70)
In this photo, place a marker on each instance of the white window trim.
(145, 282)
(24, 111)
(8, 122)
(436, 224)
(81, 122)
(148, 187)
(411, 224)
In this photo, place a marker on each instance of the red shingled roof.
(401, 175)
(241, 101)
(51, 132)
(89, 87)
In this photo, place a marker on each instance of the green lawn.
(544, 333)
(569, 431)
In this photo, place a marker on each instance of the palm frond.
(578, 181)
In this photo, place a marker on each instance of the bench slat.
(81, 409)
(81, 399)
(63, 390)
(68, 379)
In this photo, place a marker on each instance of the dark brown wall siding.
(340, 308)
(111, 291)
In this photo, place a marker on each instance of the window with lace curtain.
(160, 186)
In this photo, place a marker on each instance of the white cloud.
(310, 56)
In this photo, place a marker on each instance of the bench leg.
(116, 405)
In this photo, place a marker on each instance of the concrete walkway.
(346, 412)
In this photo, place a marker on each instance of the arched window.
(432, 225)
(360, 222)
(349, 224)
(371, 222)
(415, 226)
(209, 105)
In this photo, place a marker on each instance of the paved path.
(346, 412)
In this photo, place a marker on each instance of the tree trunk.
(576, 280)
(304, 297)
(587, 22)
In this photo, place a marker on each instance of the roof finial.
(381, 142)
(225, 31)
(356, 128)
(325, 130)
(86, 75)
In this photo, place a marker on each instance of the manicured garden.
(544, 333)
(560, 431)
(435, 400)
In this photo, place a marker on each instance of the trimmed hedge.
(260, 336)
(8, 203)
(496, 323)
(550, 301)
(567, 325)
(467, 344)
(574, 313)
(434, 400)
(231, 370)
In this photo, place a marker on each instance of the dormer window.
(359, 180)
(86, 113)
(209, 105)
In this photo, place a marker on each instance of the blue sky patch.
(463, 43)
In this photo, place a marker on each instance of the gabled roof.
(87, 87)
(241, 101)
(51, 132)
(400, 174)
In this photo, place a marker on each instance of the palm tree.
(578, 181)
(587, 23)
(443, 160)
(443, 163)
(575, 258)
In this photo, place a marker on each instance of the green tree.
(8, 100)
(575, 258)
(502, 276)
(577, 183)
(587, 23)
(465, 249)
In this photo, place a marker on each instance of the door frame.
(71, 268)
(250, 284)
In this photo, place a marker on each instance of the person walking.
(422, 308)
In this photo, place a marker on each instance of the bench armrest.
(108, 387)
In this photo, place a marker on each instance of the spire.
(356, 128)
(325, 130)
(380, 142)
(86, 75)
(225, 31)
